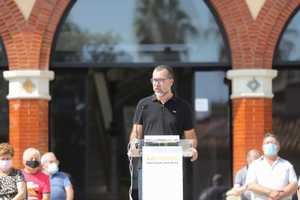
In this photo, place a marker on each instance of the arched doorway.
(103, 64)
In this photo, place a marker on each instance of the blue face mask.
(270, 149)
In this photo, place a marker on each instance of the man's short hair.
(166, 67)
(271, 135)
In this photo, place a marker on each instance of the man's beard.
(160, 93)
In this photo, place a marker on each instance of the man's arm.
(136, 132)
(288, 190)
(259, 189)
(191, 134)
(21, 186)
(69, 192)
(273, 194)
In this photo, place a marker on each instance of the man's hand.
(133, 150)
(274, 195)
(194, 154)
(236, 191)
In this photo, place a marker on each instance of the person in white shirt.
(298, 190)
(271, 177)
(239, 188)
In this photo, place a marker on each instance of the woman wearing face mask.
(38, 184)
(61, 187)
(12, 184)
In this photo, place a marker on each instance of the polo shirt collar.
(154, 98)
(278, 159)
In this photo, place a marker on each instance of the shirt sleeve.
(138, 115)
(189, 121)
(238, 179)
(292, 175)
(251, 174)
(67, 181)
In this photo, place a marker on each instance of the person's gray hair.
(31, 151)
(165, 67)
(45, 157)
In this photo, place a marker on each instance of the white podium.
(162, 168)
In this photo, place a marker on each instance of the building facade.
(73, 72)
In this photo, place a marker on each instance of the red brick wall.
(28, 45)
(28, 126)
(252, 44)
(252, 119)
(28, 42)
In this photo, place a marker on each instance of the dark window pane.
(213, 128)
(289, 45)
(3, 60)
(3, 109)
(68, 125)
(286, 114)
(130, 31)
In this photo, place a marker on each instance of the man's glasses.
(158, 80)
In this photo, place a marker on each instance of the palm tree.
(162, 22)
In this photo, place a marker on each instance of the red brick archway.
(28, 45)
(252, 42)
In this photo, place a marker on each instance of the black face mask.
(32, 163)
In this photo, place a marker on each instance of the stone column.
(28, 110)
(252, 110)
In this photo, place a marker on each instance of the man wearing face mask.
(271, 177)
(38, 184)
(61, 187)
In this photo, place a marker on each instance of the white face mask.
(5, 165)
(52, 168)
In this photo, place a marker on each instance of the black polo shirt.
(172, 118)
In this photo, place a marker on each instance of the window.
(3, 60)
(289, 45)
(140, 31)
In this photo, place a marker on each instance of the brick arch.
(235, 17)
(28, 42)
(57, 13)
(220, 23)
(10, 20)
(253, 41)
(286, 15)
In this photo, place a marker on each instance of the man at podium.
(163, 113)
